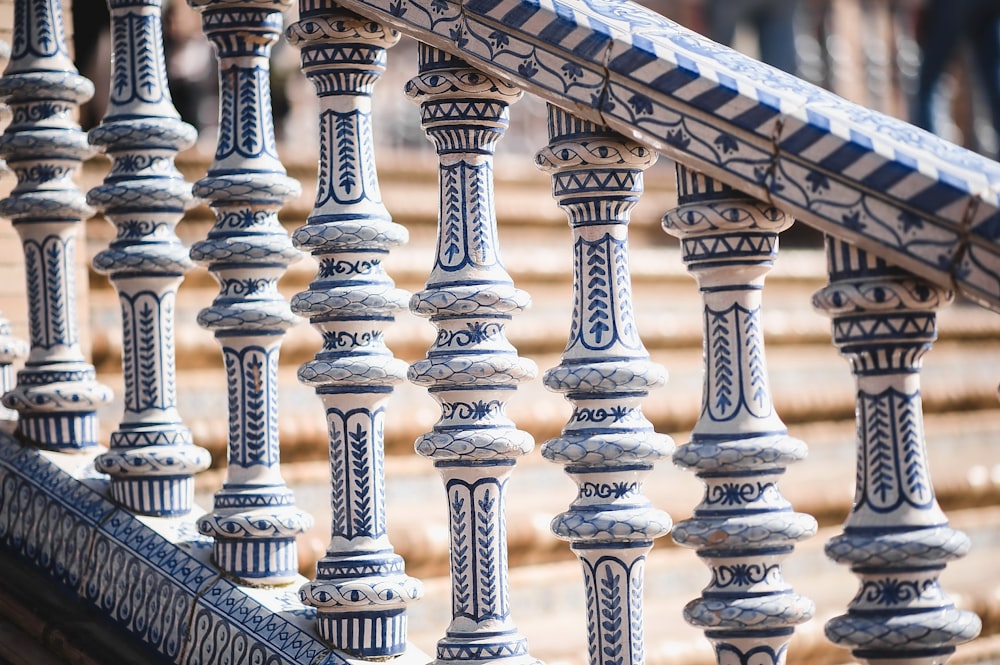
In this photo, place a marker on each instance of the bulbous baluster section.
(152, 460)
(361, 589)
(57, 396)
(896, 538)
(254, 521)
(608, 446)
(472, 369)
(743, 528)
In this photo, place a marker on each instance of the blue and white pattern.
(744, 123)
(472, 369)
(57, 395)
(255, 520)
(361, 589)
(608, 445)
(152, 457)
(896, 539)
(743, 528)
(153, 578)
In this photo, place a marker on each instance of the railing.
(752, 146)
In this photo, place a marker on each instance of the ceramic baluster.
(743, 528)
(255, 520)
(152, 460)
(472, 369)
(57, 395)
(12, 349)
(361, 589)
(608, 446)
(896, 538)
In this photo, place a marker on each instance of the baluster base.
(165, 496)
(360, 601)
(254, 532)
(257, 561)
(64, 432)
(151, 469)
(374, 634)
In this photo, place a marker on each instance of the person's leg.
(775, 22)
(721, 17)
(985, 36)
(943, 23)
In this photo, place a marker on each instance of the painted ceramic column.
(152, 460)
(255, 521)
(743, 528)
(608, 446)
(896, 538)
(471, 370)
(12, 349)
(361, 589)
(57, 395)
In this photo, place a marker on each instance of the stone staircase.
(812, 387)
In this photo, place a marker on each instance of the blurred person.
(943, 26)
(773, 20)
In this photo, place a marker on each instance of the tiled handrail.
(874, 181)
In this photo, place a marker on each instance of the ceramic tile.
(867, 220)
(542, 73)
(555, 25)
(984, 219)
(977, 273)
(845, 126)
(226, 615)
(152, 603)
(441, 18)
(717, 152)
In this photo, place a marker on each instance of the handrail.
(886, 186)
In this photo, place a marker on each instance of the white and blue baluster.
(743, 528)
(57, 396)
(471, 369)
(361, 588)
(255, 520)
(153, 458)
(896, 538)
(608, 446)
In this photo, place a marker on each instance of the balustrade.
(255, 520)
(12, 349)
(896, 538)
